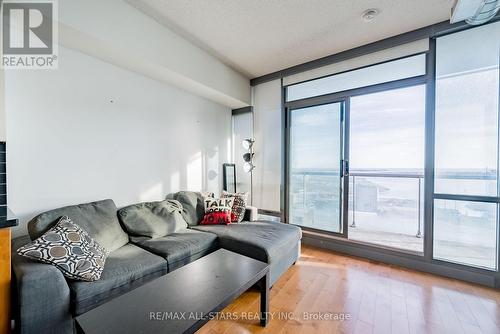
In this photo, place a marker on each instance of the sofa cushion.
(262, 241)
(126, 268)
(192, 204)
(70, 249)
(98, 219)
(153, 219)
(181, 247)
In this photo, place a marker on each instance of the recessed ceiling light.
(369, 14)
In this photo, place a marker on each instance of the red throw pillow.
(217, 211)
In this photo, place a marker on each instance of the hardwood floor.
(378, 298)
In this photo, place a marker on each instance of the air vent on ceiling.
(474, 12)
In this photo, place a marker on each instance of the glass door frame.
(345, 96)
(343, 162)
(425, 263)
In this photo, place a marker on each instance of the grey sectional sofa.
(46, 302)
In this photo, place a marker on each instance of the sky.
(387, 129)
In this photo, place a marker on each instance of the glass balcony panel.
(466, 232)
(387, 211)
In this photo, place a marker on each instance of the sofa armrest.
(41, 295)
(251, 214)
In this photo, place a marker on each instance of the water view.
(386, 208)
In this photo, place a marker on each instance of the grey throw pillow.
(153, 219)
(98, 219)
(193, 207)
(68, 247)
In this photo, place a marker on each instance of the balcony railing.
(415, 176)
(386, 208)
(314, 197)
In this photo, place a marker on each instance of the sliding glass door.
(373, 119)
(316, 166)
(387, 131)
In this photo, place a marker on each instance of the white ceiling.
(257, 37)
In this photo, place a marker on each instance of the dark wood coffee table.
(181, 301)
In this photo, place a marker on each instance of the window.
(394, 70)
(466, 118)
(467, 146)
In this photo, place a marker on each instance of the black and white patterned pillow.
(239, 205)
(68, 247)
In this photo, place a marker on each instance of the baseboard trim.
(408, 261)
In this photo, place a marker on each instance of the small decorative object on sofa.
(207, 194)
(217, 211)
(69, 248)
(239, 205)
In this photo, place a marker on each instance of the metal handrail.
(395, 175)
(447, 175)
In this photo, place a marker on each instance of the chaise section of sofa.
(272, 242)
(275, 243)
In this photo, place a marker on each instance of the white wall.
(116, 32)
(67, 143)
(266, 100)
